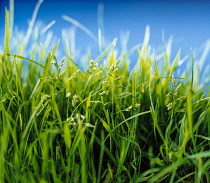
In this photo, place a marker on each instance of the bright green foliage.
(105, 124)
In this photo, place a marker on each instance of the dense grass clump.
(105, 124)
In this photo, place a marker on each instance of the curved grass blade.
(85, 29)
(24, 58)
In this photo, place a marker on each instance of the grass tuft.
(103, 123)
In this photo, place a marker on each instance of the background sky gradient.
(187, 21)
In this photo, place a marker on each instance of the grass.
(107, 123)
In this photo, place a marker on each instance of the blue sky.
(187, 20)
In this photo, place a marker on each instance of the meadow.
(105, 123)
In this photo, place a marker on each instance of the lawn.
(105, 123)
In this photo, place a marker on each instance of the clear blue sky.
(187, 20)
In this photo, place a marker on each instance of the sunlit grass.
(107, 123)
